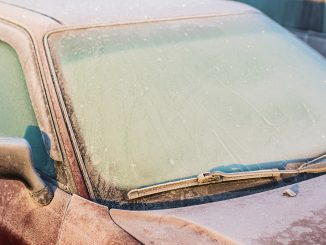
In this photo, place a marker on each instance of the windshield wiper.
(219, 177)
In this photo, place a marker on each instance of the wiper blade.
(219, 177)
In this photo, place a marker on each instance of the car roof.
(93, 12)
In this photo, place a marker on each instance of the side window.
(17, 118)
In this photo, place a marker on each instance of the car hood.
(264, 218)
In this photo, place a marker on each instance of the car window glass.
(17, 118)
(161, 101)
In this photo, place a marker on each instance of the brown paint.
(152, 228)
(77, 176)
(89, 223)
(66, 220)
(23, 220)
(8, 237)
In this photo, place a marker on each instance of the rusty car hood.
(264, 218)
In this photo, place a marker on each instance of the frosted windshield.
(161, 101)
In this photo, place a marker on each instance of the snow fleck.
(172, 162)
(289, 193)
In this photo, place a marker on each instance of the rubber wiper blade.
(219, 177)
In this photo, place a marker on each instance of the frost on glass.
(161, 101)
(17, 118)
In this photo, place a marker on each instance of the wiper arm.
(219, 177)
(313, 161)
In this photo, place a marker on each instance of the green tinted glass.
(17, 118)
(161, 101)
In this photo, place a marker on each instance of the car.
(158, 122)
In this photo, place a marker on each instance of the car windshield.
(164, 100)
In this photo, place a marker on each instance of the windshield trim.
(137, 22)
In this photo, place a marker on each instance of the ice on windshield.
(161, 101)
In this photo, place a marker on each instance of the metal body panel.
(97, 12)
(268, 217)
(23, 220)
(31, 21)
(152, 228)
(89, 223)
(66, 220)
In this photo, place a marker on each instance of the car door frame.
(24, 44)
(23, 220)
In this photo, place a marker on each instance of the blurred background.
(305, 18)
